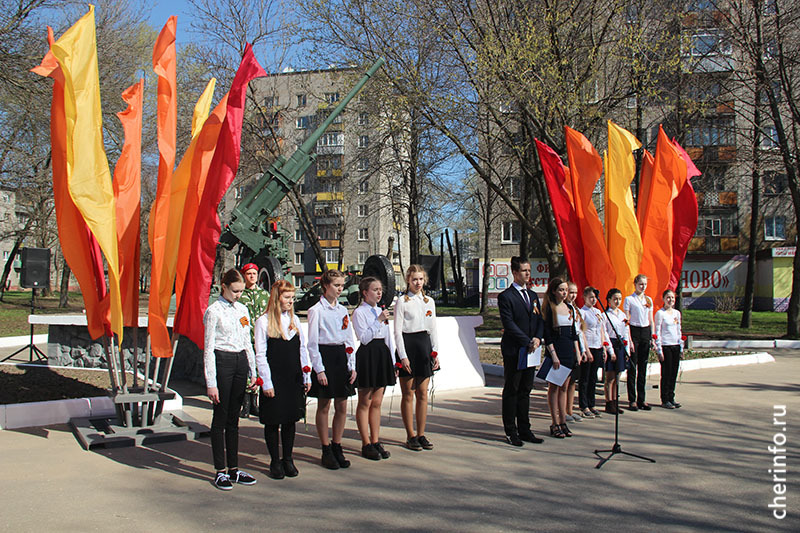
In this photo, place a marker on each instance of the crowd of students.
(269, 355)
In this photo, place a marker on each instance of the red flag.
(127, 197)
(194, 301)
(586, 168)
(558, 185)
(684, 219)
(80, 248)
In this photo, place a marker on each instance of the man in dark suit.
(523, 327)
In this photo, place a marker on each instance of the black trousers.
(588, 380)
(637, 370)
(669, 372)
(232, 369)
(516, 396)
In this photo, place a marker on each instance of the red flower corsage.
(306, 369)
(625, 343)
(259, 382)
(605, 344)
(655, 337)
(434, 355)
(349, 350)
(683, 337)
(345, 322)
(428, 313)
(244, 322)
(398, 365)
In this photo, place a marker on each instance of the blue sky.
(162, 9)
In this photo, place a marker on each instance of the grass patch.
(16, 306)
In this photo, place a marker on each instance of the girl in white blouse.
(639, 308)
(330, 347)
(375, 365)
(417, 347)
(285, 371)
(598, 345)
(228, 359)
(669, 346)
(617, 329)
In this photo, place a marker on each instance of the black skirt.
(334, 358)
(289, 403)
(374, 365)
(418, 349)
(619, 351)
(564, 345)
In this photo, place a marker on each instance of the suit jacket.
(520, 324)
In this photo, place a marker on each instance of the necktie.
(527, 301)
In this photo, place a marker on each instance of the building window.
(6, 253)
(271, 101)
(363, 164)
(363, 187)
(299, 258)
(298, 234)
(769, 138)
(510, 232)
(717, 131)
(363, 234)
(363, 141)
(512, 187)
(302, 123)
(237, 192)
(298, 280)
(774, 228)
(362, 257)
(331, 98)
(775, 183)
(303, 188)
(331, 255)
(331, 139)
(363, 210)
(6, 197)
(363, 119)
(710, 43)
(301, 100)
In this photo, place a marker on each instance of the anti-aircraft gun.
(259, 238)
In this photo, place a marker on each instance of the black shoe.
(565, 430)
(245, 406)
(413, 444)
(555, 431)
(424, 442)
(513, 439)
(339, 455)
(288, 467)
(528, 436)
(370, 452)
(222, 481)
(632, 407)
(677, 405)
(668, 405)
(328, 460)
(644, 406)
(384, 454)
(254, 405)
(242, 478)
(276, 470)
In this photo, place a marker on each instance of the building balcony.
(330, 150)
(329, 243)
(330, 196)
(328, 220)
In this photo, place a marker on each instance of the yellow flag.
(202, 107)
(623, 238)
(88, 175)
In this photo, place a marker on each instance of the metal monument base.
(106, 432)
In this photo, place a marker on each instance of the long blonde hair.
(578, 318)
(273, 312)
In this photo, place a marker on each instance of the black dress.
(334, 357)
(288, 405)
(563, 339)
(374, 365)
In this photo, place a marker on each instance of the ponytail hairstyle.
(611, 293)
(328, 276)
(575, 315)
(232, 276)
(413, 269)
(273, 311)
(363, 286)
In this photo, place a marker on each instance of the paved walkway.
(711, 471)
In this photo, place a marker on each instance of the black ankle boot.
(339, 455)
(328, 460)
(288, 467)
(245, 406)
(276, 469)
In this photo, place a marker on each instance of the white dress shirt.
(414, 313)
(595, 332)
(367, 326)
(261, 346)
(329, 324)
(668, 328)
(619, 321)
(227, 328)
(638, 308)
(522, 293)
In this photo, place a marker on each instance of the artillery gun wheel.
(269, 272)
(378, 266)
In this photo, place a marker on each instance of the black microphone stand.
(615, 448)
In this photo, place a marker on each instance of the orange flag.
(645, 178)
(127, 194)
(586, 168)
(88, 175)
(669, 176)
(164, 65)
(78, 245)
(623, 237)
(205, 144)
